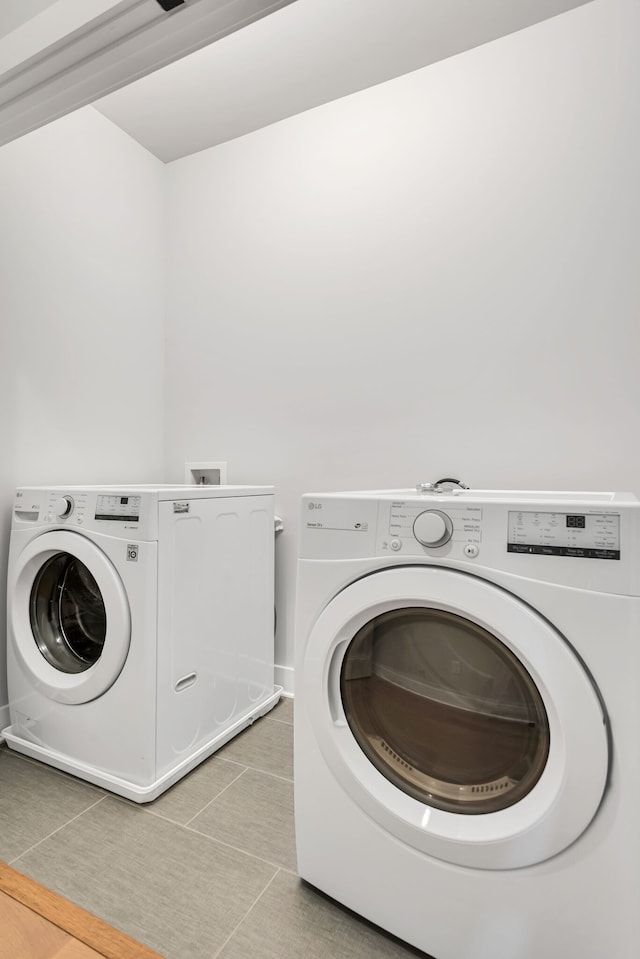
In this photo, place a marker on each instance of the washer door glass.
(444, 710)
(67, 613)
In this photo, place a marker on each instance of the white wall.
(82, 295)
(437, 276)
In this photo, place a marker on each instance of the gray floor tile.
(283, 712)
(172, 889)
(254, 814)
(190, 796)
(291, 920)
(35, 800)
(267, 745)
(181, 874)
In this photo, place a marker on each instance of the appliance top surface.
(166, 491)
(488, 496)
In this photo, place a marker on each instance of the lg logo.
(315, 505)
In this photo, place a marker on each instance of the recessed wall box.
(205, 474)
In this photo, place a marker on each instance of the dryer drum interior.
(444, 710)
(67, 614)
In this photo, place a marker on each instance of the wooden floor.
(36, 923)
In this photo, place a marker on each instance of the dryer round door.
(69, 616)
(456, 717)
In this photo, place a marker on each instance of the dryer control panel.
(420, 524)
(584, 540)
(581, 535)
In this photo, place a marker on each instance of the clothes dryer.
(140, 628)
(467, 707)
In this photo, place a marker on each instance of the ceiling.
(14, 13)
(303, 55)
(59, 55)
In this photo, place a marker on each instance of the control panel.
(581, 535)
(64, 507)
(408, 526)
(535, 536)
(112, 512)
(118, 508)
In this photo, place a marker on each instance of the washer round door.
(456, 717)
(69, 617)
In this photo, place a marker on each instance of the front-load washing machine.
(140, 628)
(467, 768)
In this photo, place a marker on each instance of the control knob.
(63, 506)
(433, 528)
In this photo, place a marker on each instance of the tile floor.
(207, 871)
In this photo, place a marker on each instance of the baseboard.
(4, 720)
(284, 678)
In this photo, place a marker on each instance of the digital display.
(116, 508)
(576, 522)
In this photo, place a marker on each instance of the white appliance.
(140, 627)
(467, 716)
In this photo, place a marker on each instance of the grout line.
(282, 722)
(246, 915)
(187, 824)
(158, 814)
(197, 832)
(267, 772)
(242, 852)
(220, 758)
(59, 828)
(258, 769)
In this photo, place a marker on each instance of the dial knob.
(433, 528)
(63, 506)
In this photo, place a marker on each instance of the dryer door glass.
(444, 710)
(68, 616)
